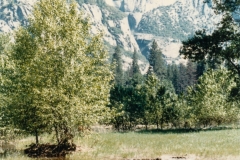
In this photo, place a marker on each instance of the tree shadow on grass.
(183, 130)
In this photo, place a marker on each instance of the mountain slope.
(130, 23)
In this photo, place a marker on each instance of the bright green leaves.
(61, 72)
(209, 98)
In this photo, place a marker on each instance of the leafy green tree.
(209, 99)
(6, 129)
(156, 61)
(171, 110)
(56, 75)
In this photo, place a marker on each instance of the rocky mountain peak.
(131, 23)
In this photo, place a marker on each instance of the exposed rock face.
(131, 23)
(169, 22)
(12, 15)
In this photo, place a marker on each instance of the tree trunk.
(57, 134)
(36, 134)
(162, 124)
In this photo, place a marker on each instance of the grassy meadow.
(217, 144)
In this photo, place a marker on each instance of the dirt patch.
(194, 157)
(48, 150)
(182, 157)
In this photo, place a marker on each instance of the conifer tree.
(117, 60)
(156, 61)
(182, 79)
(170, 72)
(175, 80)
(200, 69)
(135, 76)
(135, 66)
(190, 73)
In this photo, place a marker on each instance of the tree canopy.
(222, 45)
(156, 61)
(56, 75)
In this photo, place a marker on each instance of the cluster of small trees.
(176, 96)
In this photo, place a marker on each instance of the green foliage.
(134, 76)
(135, 67)
(220, 47)
(160, 102)
(191, 73)
(152, 93)
(7, 133)
(56, 75)
(118, 71)
(209, 99)
(156, 61)
(125, 104)
(201, 67)
(181, 76)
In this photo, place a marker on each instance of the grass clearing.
(221, 144)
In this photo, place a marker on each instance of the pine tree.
(201, 68)
(135, 76)
(156, 61)
(135, 66)
(117, 60)
(175, 79)
(170, 72)
(190, 73)
(182, 80)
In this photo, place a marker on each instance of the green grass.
(151, 145)
(205, 144)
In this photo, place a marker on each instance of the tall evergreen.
(135, 66)
(156, 61)
(200, 69)
(175, 78)
(182, 80)
(133, 76)
(191, 73)
(170, 72)
(117, 60)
